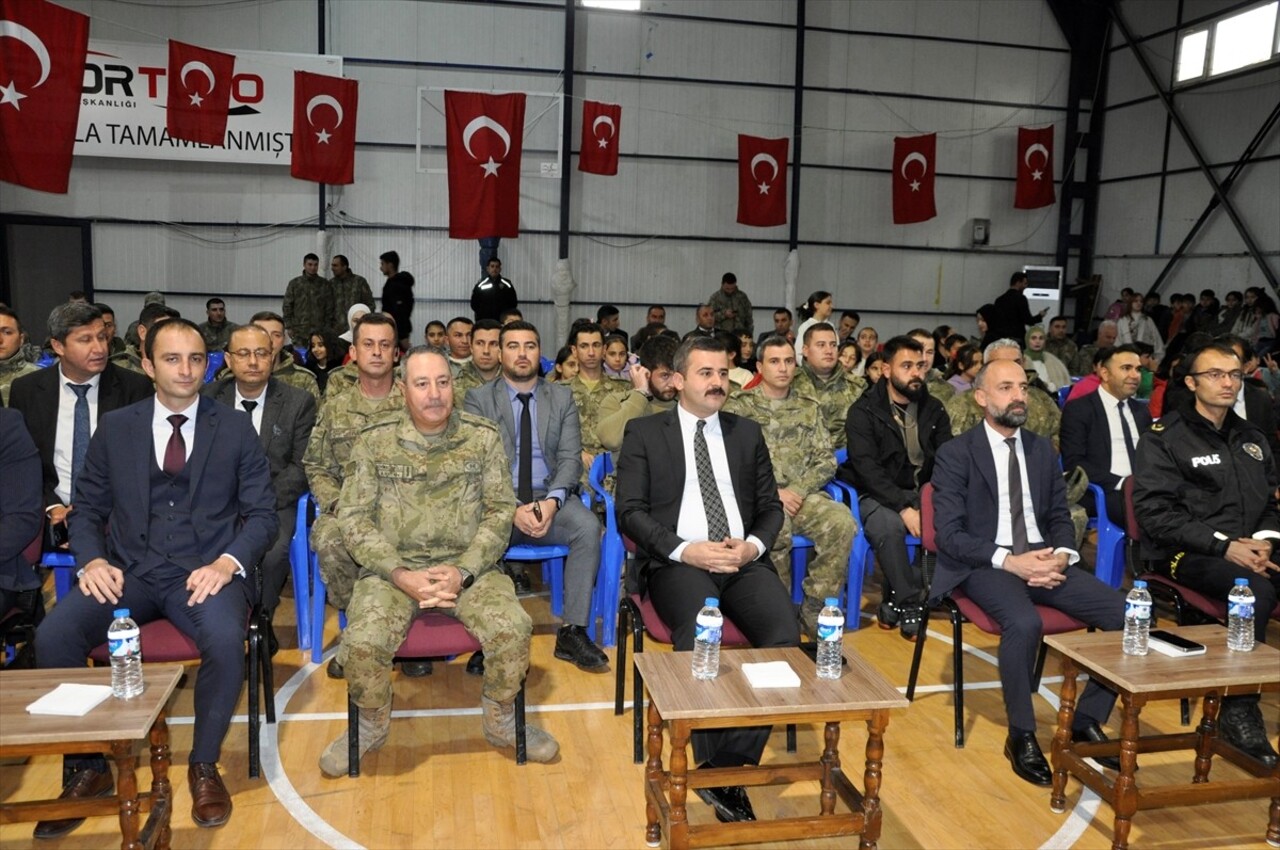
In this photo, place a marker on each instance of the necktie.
(80, 433)
(524, 481)
(248, 406)
(1128, 436)
(175, 453)
(1017, 518)
(717, 522)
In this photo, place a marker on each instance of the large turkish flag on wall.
(1035, 168)
(324, 128)
(41, 72)
(199, 93)
(601, 122)
(762, 181)
(913, 173)
(483, 142)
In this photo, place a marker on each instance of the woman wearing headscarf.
(1050, 369)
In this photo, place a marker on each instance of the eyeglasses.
(257, 353)
(1217, 375)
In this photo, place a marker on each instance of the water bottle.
(1240, 617)
(706, 640)
(126, 656)
(830, 639)
(1137, 619)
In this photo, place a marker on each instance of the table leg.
(1062, 736)
(161, 790)
(1273, 826)
(127, 793)
(678, 825)
(871, 814)
(1206, 732)
(1126, 789)
(653, 775)
(830, 764)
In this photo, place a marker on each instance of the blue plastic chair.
(1109, 566)
(613, 554)
(63, 564)
(1063, 392)
(213, 365)
(300, 565)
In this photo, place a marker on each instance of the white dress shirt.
(1120, 465)
(66, 430)
(256, 415)
(161, 430)
(1004, 523)
(692, 524)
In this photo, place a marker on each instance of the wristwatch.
(559, 501)
(468, 578)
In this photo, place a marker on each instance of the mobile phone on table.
(1168, 643)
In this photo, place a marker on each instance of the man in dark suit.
(1011, 313)
(1100, 431)
(20, 514)
(696, 493)
(546, 463)
(283, 416)
(1005, 537)
(63, 404)
(173, 511)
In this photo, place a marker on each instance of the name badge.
(397, 471)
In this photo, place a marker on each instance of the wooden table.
(114, 726)
(684, 704)
(1216, 674)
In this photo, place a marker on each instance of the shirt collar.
(260, 399)
(996, 439)
(1107, 398)
(689, 422)
(163, 413)
(64, 380)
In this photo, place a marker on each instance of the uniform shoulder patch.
(478, 421)
(380, 423)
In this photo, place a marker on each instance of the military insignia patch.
(471, 466)
(1253, 450)
(396, 471)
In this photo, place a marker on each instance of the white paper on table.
(70, 700)
(771, 674)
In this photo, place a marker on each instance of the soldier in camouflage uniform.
(426, 512)
(285, 369)
(820, 377)
(485, 363)
(12, 364)
(731, 307)
(216, 330)
(373, 398)
(1082, 363)
(349, 289)
(308, 302)
(591, 386)
(803, 461)
(1059, 344)
(653, 391)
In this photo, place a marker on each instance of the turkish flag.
(762, 181)
(42, 53)
(599, 151)
(199, 93)
(324, 128)
(484, 136)
(913, 172)
(1035, 168)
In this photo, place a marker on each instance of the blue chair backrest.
(547, 365)
(1063, 392)
(216, 359)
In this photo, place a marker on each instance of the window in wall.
(1230, 43)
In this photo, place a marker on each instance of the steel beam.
(797, 126)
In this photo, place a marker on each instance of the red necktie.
(175, 454)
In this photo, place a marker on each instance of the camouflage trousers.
(831, 527)
(1079, 519)
(379, 616)
(337, 568)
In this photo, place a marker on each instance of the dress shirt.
(65, 434)
(541, 470)
(1238, 406)
(1120, 465)
(692, 524)
(1004, 526)
(256, 415)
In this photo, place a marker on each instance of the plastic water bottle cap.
(1241, 581)
(1139, 584)
(832, 601)
(712, 602)
(121, 613)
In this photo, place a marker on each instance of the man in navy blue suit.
(1005, 538)
(172, 513)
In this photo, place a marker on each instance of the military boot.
(375, 725)
(500, 730)
(809, 611)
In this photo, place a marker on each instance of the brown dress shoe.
(84, 783)
(210, 802)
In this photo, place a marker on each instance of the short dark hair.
(818, 327)
(149, 344)
(1237, 341)
(606, 311)
(729, 277)
(457, 319)
(104, 309)
(653, 307)
(584, 328)
(658, 351)
(268, 316)
(493, 259)
(372, 320)
(902, 342)
(1144, 348)
(773, 341)
(851, 314)
(1105, 354)
(214, 300)
(508, 313)
(1208, 292)
(1217, 347)
(953, 339)
(694, 343)
(786, 310)
(343, 259)
(310, 257)
(391, 257)
(916, 332)
(1017, 277)
(485, 325)
(522, 325)
(153, 312)
(1058, 318)
(435, 322)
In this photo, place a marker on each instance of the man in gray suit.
(546, 463)
(283, 416)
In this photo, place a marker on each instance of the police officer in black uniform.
(1204, 495)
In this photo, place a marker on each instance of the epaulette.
(383, 422)
(478, 421)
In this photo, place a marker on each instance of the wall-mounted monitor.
(1044, 290)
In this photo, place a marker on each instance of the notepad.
(771, 674)
(70, 700)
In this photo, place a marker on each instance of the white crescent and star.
(329, 100)
(1036, 173)
(194, 65)
(607, 121)
(478, 123)
(915, 156)
(9, 29)
(756, 160)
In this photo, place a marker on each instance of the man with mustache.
(1005, 537)
(894, 432)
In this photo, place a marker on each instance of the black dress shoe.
(475, 664)
(84, 783)
(1093, 734)
(730, 803)
(1023, 752)
(1240, 724)
(573, 644)
(518, 576)
(334, 670)
(415, 669)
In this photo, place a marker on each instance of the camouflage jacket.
(1043, 415)
(467, 378)
(1063, 349)
(835, 396)
(740, 304)
(416, 501)
(10, 370)
(340, 421)
(939, 388)
(307, 307)
(216, 338)
(296, 376)
(348, 290)
(130, 359)
(617, 410)
(799, 447)
(1082, 363)
(589, 401)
